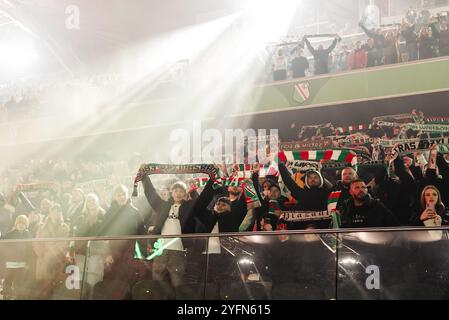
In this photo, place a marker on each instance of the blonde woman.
(89, 224)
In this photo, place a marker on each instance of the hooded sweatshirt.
(309, 199)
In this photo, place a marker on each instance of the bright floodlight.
(17, 56)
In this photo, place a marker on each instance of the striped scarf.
(245, 170)
(349, 129)
(38, 186)
(442, 128)
(273, 207)
(347, 156)
(332, 201)
(154, 168)
(366, 164)
(417, 145)
(436, 120)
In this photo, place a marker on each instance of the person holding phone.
(432, 212)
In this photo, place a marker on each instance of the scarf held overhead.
(348, 156)
(153, 168)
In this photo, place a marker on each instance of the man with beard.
(226, 215)
(348, 175)
(238, 203)
(313, 197)
(362, 211)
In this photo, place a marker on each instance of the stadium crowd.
(391, 172)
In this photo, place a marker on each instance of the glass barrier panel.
(39, 270)
(393, 265)
(283, 267)
(150, 269)
(360, 265)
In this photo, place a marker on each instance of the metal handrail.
(230, 234)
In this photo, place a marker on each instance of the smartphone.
(430, 206)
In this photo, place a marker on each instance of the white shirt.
(279, 63)
(172, 226)
(214, 242)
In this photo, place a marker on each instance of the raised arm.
(443, 167)
(309, 46)
(400, 170)
(295, 190)
(153, 198)
(201, 203)
(332, 46)
(368, 32)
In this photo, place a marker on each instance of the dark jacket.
(6, 220)
(321, 56)
(416, 217)
(426, 47)
(373, 58)
(122, 221)
(299, 66)
(162, 208)
(409, 185)
(379, 39)
(309, 199)
(344, 193)
(390, 193)
(387, 49)
(20, 251)
(82, 228)
(227, 221)
(443, 167)
(373, 214)
(443, 40)
(410, 36)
